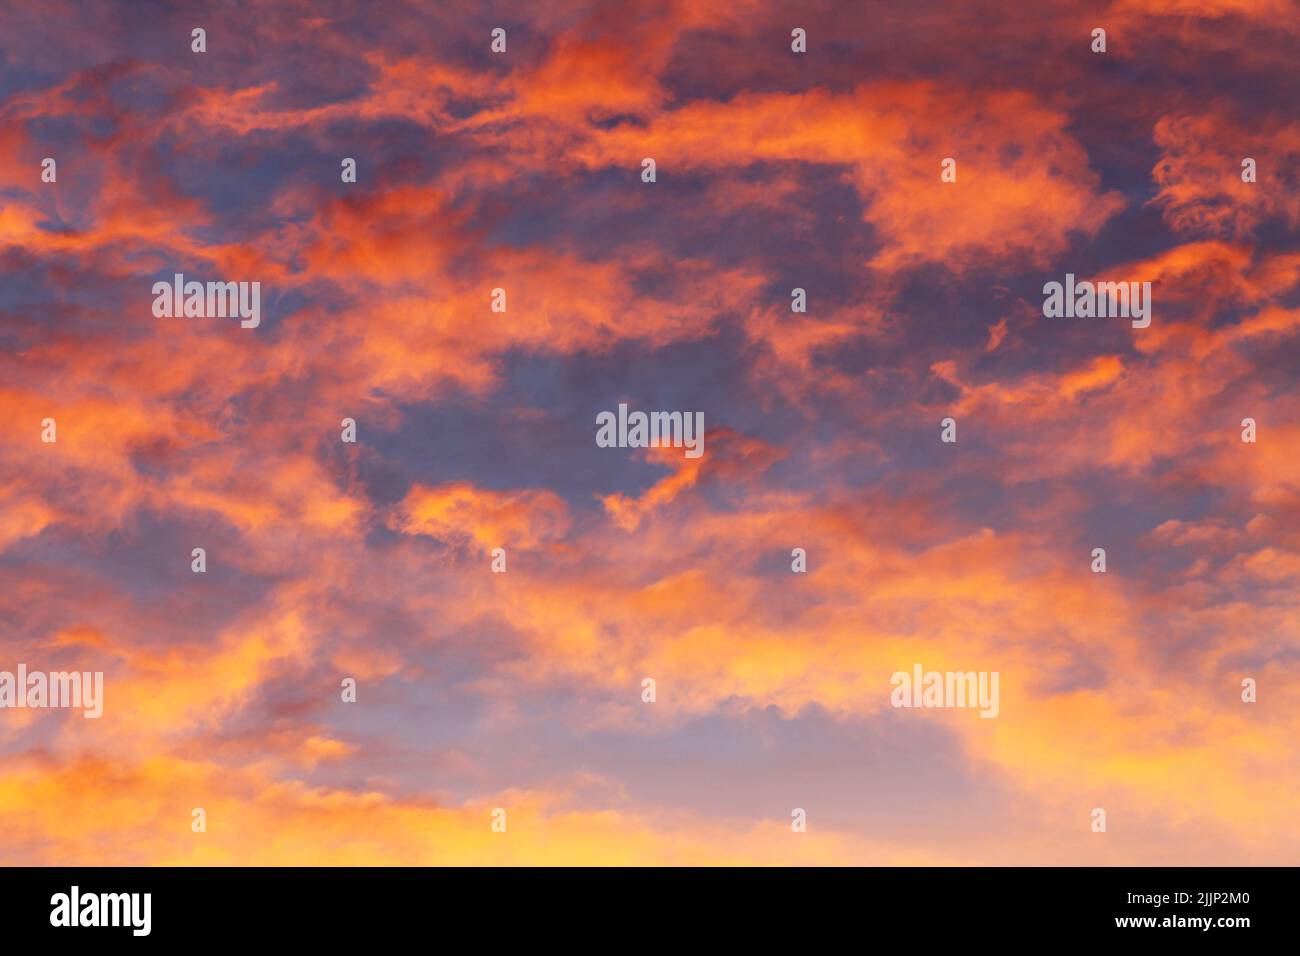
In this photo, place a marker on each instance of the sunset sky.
(476, 430)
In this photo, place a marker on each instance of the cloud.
(329, 560)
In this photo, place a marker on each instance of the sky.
(522, 691)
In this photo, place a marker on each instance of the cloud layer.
(775, 170)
